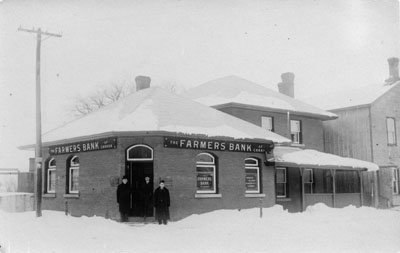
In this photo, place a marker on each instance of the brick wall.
(312, 128)
(97, 168)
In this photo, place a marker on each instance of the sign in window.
(205, 179)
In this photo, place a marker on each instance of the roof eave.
(316, 166)
(137, 133)
(349, 107)
(263, 108)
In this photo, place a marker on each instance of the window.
(140, 152)
(281, 182)
(51, 176)
(347, 181)
(396, 182)
(252, 175)
(391, 131)
(323, 182)
(308, 179)
(267, 123)
(73, 175)
(206, 173)
(295, 131)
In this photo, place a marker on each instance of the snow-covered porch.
(323, 178)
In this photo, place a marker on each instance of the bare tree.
(102, 97)
(112, 93)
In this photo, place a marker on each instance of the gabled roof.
(351, 98)
(155, 109)
(237, 91)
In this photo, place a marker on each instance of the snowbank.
(318, 229)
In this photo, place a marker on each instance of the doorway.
(139, 165)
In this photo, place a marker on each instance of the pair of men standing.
(161, 200)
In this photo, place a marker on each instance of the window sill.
(207, 196)
(71, 196)
(297, 145)
(254, 195)
(49, 195)
(283, 199)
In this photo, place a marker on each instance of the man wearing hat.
(161, 203)
(124, 198)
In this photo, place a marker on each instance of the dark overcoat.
(161, 203)
(124, 197)
(147, 191)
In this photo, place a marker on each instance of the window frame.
(298, 134)
(396, 181)
(311, 182)
(256, 167)
(50, 168)
(128, 158)
(205, 164)
(73, 166)
(394, 141)
(272, 123)
(284, 169)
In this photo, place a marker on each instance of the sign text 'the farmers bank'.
(217, 145)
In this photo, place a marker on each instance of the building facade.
(298, 184)
(202, 174)
(208, 161)
(367, 128)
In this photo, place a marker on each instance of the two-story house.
(367, 128)
(304, 175)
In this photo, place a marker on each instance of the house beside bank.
(299, 182)
(367, 128)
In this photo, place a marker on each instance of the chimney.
(142, 82)
(393, 70)
(287, 85)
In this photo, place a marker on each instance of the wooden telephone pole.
(38, 147)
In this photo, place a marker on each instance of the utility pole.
(38, 146)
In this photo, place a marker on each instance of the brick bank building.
(209, 160)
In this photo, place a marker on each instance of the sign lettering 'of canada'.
(216, 145)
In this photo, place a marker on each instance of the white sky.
(329, 45)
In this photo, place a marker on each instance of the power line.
(38, 147)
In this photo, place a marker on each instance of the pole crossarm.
(37, 31)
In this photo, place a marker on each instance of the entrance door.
(139, 165)
(137, 172)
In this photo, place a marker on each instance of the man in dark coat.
(161, 203)
(124, 199)
(147, 197)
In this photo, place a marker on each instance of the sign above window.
(84, 146)
(204, 144)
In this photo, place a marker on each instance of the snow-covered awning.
(308, 158)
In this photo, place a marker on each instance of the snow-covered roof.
(155, 109)
(233, 89)
(349, 98)
(308, 158)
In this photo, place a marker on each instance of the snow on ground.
(318, 229)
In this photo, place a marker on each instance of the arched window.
(139, 152)
(252, 175)
(73, 175)
(51, 176)
(206, 175)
